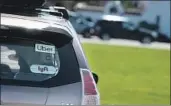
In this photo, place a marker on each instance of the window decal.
(43, 69)
(45, 48)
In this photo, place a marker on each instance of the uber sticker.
(45, 48)
(43, 69)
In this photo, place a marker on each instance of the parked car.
(163, 38)
(42, 61)
(154, 29)
(81, 24)
(111, 26)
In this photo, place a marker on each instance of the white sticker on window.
(43, 69)
(45, 48)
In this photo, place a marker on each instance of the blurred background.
(127, 44)
(150, 20)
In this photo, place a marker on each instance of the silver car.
(42, 61)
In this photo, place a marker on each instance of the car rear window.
(38, 63)
(34, 62)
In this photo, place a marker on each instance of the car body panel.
(82, 61)
(39, 22)
(67, 94)
(23, 95)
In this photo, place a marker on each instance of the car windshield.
(36, 59)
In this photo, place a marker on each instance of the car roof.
(39, 22)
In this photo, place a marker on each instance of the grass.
(130, 75)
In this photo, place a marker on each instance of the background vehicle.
(81, 24)
(42, 61)
(147, 11)
(120, 27)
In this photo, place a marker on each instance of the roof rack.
(28, 11)
(63, 10)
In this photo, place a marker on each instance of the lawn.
(130, 75)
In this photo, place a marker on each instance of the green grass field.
(130, 75)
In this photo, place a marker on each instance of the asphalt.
(129, 43)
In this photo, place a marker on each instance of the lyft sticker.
(45, 48)
(43, 69)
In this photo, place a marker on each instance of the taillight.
(91, 95)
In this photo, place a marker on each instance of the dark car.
(42, 61)
(154, 29)
(120, 27)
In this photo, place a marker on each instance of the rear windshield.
(38, 62)
(34, 62)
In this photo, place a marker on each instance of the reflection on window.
(9, 57)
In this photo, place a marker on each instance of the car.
(111, 26)
(81, 24)
(42, 61)
(154, 31)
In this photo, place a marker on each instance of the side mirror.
(96, 77)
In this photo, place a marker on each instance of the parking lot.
(124, 42)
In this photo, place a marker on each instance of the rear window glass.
(28, 62)
(34, 62)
